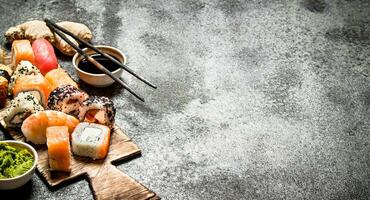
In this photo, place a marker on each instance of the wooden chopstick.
(93, 61)
(100, 52)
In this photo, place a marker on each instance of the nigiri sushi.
(22, 69)
(20, 108)
(67, 99)
(21, 50)
(33, 83)
(45, 58)
(34, 127)
(91, 140)
(59, 77)
(57, 141)
(99, 110)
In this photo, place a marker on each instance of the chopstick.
(93, 61)
(100, 52)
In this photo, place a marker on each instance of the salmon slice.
(22, 50)
(58, 77)
(58, 148)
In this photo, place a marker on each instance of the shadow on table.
(23, 192)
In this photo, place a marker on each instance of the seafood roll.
(23, 68)
(59, 151)
(20, 108)
(36, 84)
(67, 99)
(34, 127)
(91, 140)
(99, 110)
(5, 73)
(59, 77)
(22, 50)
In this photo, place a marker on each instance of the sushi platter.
(73, 133)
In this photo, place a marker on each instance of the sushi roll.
(59, 77)
(36, 84)
(34, 127)
(67, 99)
(59, 151)
(5, 73)
(20, 108)
(24, 68)
(91, 140)
(22, 50)
(99, 110)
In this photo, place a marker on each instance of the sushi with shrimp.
(34, 127)
(67, 99)
(20, 108)
(91, 140)
(99, 110)
(36, 84)
(59, 77)
(22, 69)
(59, 151)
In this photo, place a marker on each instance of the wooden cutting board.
(106, 181)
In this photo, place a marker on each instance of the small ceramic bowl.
(12, 183)
(99, 80)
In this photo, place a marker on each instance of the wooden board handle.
(110, 183)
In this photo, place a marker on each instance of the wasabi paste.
(14, 162)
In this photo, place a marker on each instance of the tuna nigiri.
(34, 127)
(33, 83)
(21, 50)
(58, 148)
(45, 58)
(58, 77)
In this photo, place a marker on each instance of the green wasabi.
(14, 162)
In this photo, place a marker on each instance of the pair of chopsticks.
(58, 30)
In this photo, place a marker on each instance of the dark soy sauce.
(86, 66)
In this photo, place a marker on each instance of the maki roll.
(5, 73)
(36, 84)
(91, 140)
(20, 108)
(24, 68)
(67, 99)
(99, 110)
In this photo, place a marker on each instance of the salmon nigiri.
(58, 77)
(59, 150)
(45, 58)
(21, 50)
(33, 83)
(34, 127)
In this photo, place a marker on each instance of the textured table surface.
(256, 99)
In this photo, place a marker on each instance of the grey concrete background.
(256, 100)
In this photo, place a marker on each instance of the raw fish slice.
(45, 58)
(59, 77)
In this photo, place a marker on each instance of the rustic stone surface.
(256, 99)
